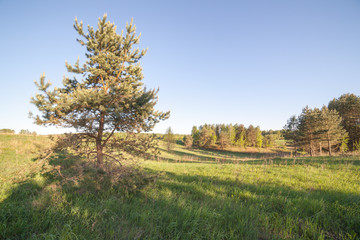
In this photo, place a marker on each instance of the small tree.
(195, 134)
(188, 141)
(109, 98)
(25, 132)
(259, 137)
(169, 138)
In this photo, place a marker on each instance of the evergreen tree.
(330, 127)
(251, 136)
(308, 129)
(291, 132)
(241, 136)
(304, 129)
(188, 141)
(348, 107)
(224, 139)
(232, 134)
(259, 137)
(195, 134)
(169, 138)
(207, 136)
(7, 130)
(109, 98)
(25, 132)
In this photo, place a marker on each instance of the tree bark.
(99, 146)
(329, 144)
(99, 154)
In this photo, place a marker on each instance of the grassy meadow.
(195, 194)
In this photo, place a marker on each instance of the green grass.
(195, 196)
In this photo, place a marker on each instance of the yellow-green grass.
(198, 198)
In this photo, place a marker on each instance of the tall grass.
(306, 198)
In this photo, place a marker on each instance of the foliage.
(26, 132)
(348, 107)
(314, 126)
(188, 141)
(259, 137)
(7, 130)
(222, 135)
(207, 136)
(109, 98)
(169, 138)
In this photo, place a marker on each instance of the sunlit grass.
(195, 197)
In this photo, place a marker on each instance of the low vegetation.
(183, 194)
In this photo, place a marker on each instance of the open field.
(197, 194)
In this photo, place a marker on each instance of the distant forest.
(333, 128)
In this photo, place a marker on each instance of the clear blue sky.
(251, 62)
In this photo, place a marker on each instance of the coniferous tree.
(348, 107)
(169, 138)
(241, 136)
(303, 130)
(188, 141)
(259, 137)
(308, 127)
(232, 134)
(207, 136)
(7, 130)
(224, 139)
(251, 136)
(330, 127)
(109, 98)
(291, 132)
(314, 127)
(195, 134)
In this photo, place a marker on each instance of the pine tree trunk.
(329, 144)
(99, 154)
(311, 148)
(320, 149)
(99, 146)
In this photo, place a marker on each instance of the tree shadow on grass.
(67, 200)
(243, 154)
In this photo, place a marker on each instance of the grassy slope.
(197, 196)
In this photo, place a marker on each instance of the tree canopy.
(313, 127)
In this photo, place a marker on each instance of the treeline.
(225, 135)
(22, 131)
(335, 127)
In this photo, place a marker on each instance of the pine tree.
(240, 136)
(348, 107)
(188, 141)
(251, 136)
(308, 128)
(304, 129)
(195, 134)
(110, 97)
(331, 129)
(169, 138)
(259, 137)
(207, 136)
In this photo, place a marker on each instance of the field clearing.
(195, 196)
